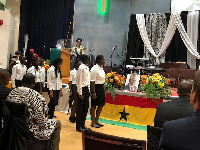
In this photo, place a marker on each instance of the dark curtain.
(135, 46)
(45, 21)
(176, 51)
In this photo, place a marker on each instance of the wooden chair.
(187, 74)
(165, 73)
(99, 141)
(153, 137)
(174, 74)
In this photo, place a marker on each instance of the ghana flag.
(130, 109)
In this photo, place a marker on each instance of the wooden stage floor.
(72, 140)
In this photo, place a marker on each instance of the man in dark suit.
(4, 91)
(184, 133)
(175, 109)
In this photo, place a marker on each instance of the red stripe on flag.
(132, 101)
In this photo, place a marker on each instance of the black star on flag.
(124, 114)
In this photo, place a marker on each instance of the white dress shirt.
(53, 83)
(97, 74)
(82, 78)
(36, 73)
(72, 76)
(18, 71)
(42, 74)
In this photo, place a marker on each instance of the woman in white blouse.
(97, 79)
(35, 70)
(54, 84)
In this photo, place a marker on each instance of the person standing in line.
(83, 89)
(73, 90)
(54, 84)
(42, 69)
(97, 80)
(35, 70)
(18, 71)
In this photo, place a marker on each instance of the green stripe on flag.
(122, 124)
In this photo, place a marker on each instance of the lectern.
(65, 68)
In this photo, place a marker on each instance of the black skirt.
(100, 93)
(74, 92)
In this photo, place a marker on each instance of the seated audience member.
(184, 133)
(4, 91)
(175, 109)
(18, 71)
(131, 86)
(39, 124)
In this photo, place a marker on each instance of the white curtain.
(192, 28)
(169, 35)
(175, 22)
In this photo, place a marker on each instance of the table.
(130, 107)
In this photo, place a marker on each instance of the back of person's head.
(184, 88)
(17, 53)
(57, 61)
(76, 62)
(84, 58)
(28, 80)
(99, 58)
(196, 85)
(4, 77)
(57, 64)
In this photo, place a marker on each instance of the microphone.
(114, 47)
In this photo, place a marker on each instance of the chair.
(153, 137)
(16, 134)
(174, 74)
(187, 74)
(99, 141)
(165, 73)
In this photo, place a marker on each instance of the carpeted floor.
(72, 140)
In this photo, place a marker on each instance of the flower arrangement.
(155, 86)
(114, 82)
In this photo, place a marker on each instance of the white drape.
(192, 28)
(169, 35)
(175, 22)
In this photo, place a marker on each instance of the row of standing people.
(54, 79)
(84, 83)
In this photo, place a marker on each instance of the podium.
(65, 68)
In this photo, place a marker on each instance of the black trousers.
(53, 102)
(18, 83)
(82, 108)
(37, 87)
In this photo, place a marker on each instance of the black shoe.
(54, 116)
(79, 129)
(85, 128)
(95, 126)
(72, 119)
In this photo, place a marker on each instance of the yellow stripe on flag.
(137, 115)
